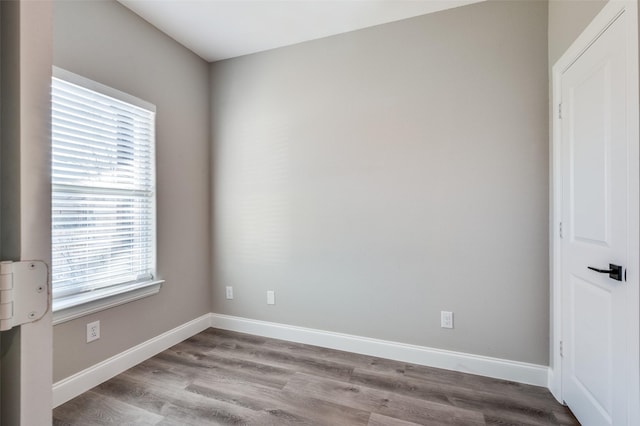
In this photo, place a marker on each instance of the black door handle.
(614, 271)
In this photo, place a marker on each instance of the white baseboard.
(515, 371)
(74, 385)
(553, 383)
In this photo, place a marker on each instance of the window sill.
(84, 304)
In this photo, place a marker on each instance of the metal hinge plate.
(23, 292)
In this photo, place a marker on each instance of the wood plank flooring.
(225, 378)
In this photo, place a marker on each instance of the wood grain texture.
(225, 378)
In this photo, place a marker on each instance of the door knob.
(614, 271)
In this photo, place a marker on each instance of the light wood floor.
(221, 377)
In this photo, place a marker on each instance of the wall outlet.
(446, 319)
(271, 297)
(93, 331)
(229, 292)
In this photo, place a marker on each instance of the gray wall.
(375, 178)
(567, 19)
(106, 42)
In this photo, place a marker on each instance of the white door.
(599, 169)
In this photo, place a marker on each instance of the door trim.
(612, 10)
(26, 203)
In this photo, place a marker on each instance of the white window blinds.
(103, 193)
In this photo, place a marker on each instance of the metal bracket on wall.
(23, 292)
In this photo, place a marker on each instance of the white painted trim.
(74, 385)
(633, 269)
(601, 22)
(551, 381)
(468, 363)
(109, 298)
(555, 249)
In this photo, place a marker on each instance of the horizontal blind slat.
(78, 138)
(76, 288)
(59, 257)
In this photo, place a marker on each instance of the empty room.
(350, 212)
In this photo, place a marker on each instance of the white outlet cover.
(446, 319)
(229, 292)
(271, 297)
(93, 331)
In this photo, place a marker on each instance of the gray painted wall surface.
(375, 178)
(567, 19)
(106, 42)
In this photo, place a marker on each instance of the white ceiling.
(221, 29)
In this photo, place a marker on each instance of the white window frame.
(82, 304)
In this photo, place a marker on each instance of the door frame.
(25, 208)
(601, 22)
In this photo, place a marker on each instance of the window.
(103, 197)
